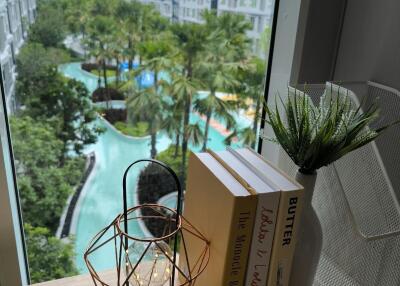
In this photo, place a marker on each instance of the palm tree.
(129, 15)
(172, 125)
(228, 140)
(183, 89)
(191, 38)
(148, 105)
(218, 74)
(231, 29)
(224, 57)
(213, 106)
(116, 48)
(247, 136)
(195, 134)
(158, 56)
(99, 41)
(77, 15)
(252, 87)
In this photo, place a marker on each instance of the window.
(50, 161)
(3, 33)
(82, 130)
(232, 3)
(167, 8)
(7, 76)
(253, 21)
(257, 45)
(5, 19)
(260, 24)
(263, 5)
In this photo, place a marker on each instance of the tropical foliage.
(192, 65)
(43, 181)
(49, 258)
(140, 129)
(49, 29)
(50, 129)
(213, 56)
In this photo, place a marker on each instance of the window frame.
(17, 273)
(267, 84)
(14, 263)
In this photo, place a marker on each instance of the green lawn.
(140, 129)
(122, 86)
(110, 73)
(168, 157)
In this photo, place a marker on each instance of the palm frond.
(195, 134)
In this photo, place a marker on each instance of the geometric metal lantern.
(149, 259)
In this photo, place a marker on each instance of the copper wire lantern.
(149, 260)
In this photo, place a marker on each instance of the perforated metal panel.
(357, 205)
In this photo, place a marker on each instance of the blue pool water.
(169, 200)
(73, 70)
(101, 197)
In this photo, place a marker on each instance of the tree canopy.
(49, 258)
(44, 185)
(58, 118)
(49, 29)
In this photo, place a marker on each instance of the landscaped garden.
(145, 87)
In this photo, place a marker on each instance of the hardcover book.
(268, 196)
(223, 210)
(289, 212)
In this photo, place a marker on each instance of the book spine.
(239, 244)
(284, 244)
(263, 234)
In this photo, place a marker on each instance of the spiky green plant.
(316, 136)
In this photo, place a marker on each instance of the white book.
(268, 197)
(287, 222)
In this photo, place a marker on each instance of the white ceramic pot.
(309, 242)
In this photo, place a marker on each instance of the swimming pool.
(170, 200)
(101, 198)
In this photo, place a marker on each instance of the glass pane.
(104, 83)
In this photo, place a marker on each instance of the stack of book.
(249, 210)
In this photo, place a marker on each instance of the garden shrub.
(168, 157)
(114, 115)
(154, 183)
(139, 129)
(94, 66)
(100, 94)
(109, 73)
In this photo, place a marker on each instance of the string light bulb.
(154, 267)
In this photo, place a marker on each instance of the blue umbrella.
(125, 65)
(145, 79)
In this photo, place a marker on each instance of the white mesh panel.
(354, 197)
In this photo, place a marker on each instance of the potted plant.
(315, 136)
